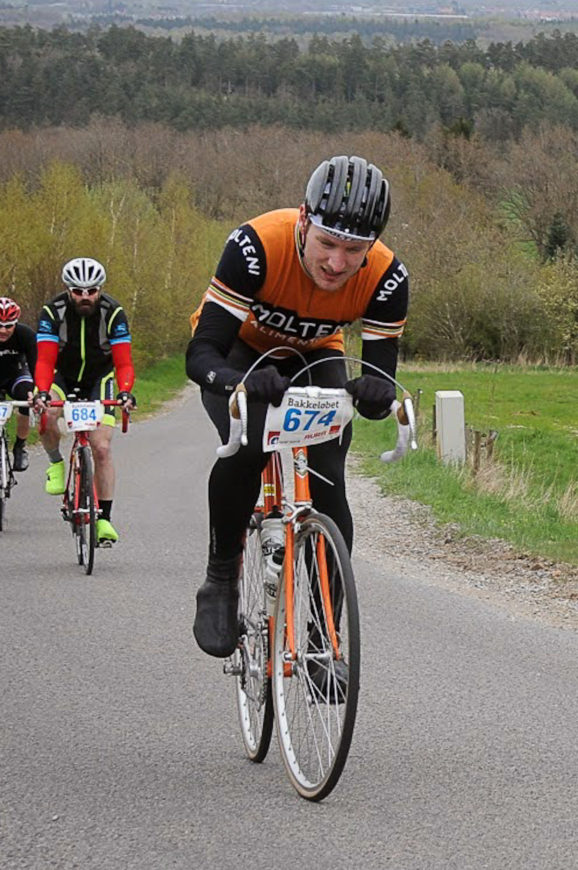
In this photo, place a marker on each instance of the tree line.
(488, 235)
(392, 29)
(61, 77)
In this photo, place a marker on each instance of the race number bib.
(5, 412)
(83, 415)
(306, 416)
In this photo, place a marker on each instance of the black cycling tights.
(18, 389)
(235, 482)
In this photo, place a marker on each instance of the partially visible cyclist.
(17, 362)
(292, 277)
(83, 342)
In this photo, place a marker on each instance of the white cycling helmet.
(83, 272)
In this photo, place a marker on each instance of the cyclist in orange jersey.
(292, 278)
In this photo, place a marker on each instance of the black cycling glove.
(372, 396)
(124, 396)
(266, 385)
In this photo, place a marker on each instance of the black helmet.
(348, 197)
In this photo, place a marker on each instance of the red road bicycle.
(80, 501)
(298, 659)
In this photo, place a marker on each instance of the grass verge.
(159, 383)
(527, 494)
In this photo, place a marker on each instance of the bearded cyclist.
(83, 341)
(294, 278)
(17, 362)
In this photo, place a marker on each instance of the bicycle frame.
(81, 440)
(7, 479)
(273, 498)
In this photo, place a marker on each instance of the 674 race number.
(307, 415)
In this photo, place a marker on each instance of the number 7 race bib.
(5, 412)
(307, 415)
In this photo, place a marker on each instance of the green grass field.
(528, 493)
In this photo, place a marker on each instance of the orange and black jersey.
(262, 294)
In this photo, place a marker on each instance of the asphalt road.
(119, 741)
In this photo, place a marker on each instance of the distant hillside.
(199, 82)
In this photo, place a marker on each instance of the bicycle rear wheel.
(315, 694)
(84, 512)
(251, 659)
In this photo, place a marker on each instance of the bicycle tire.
(315, 711)
(251, 660)
(84, 517)
(4, 478)
(73, 502)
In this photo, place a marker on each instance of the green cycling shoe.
(55, 483)
(105, 531)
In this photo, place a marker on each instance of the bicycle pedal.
(231, 669)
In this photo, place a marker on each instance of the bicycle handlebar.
(406, 429)
(59, 403)
(237, 423)
(402, 411)
(14, 403)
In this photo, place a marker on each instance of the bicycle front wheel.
(4, 478)
(251, 659)
(84, 512)
(316, 685)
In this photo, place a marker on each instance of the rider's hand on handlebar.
(41, 401)
(372, 396)
(266, 385)
(127, 399)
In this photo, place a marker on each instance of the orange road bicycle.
(298, 659)
(7, 479)
(80, 501)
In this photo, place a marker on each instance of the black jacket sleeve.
(217, 328)
(387, 309)
(208, 348)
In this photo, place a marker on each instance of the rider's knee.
(101, 451)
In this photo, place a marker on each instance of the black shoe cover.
(216, 627)
(21, 460)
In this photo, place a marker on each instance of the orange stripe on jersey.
(371, 330)
(222, 295)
